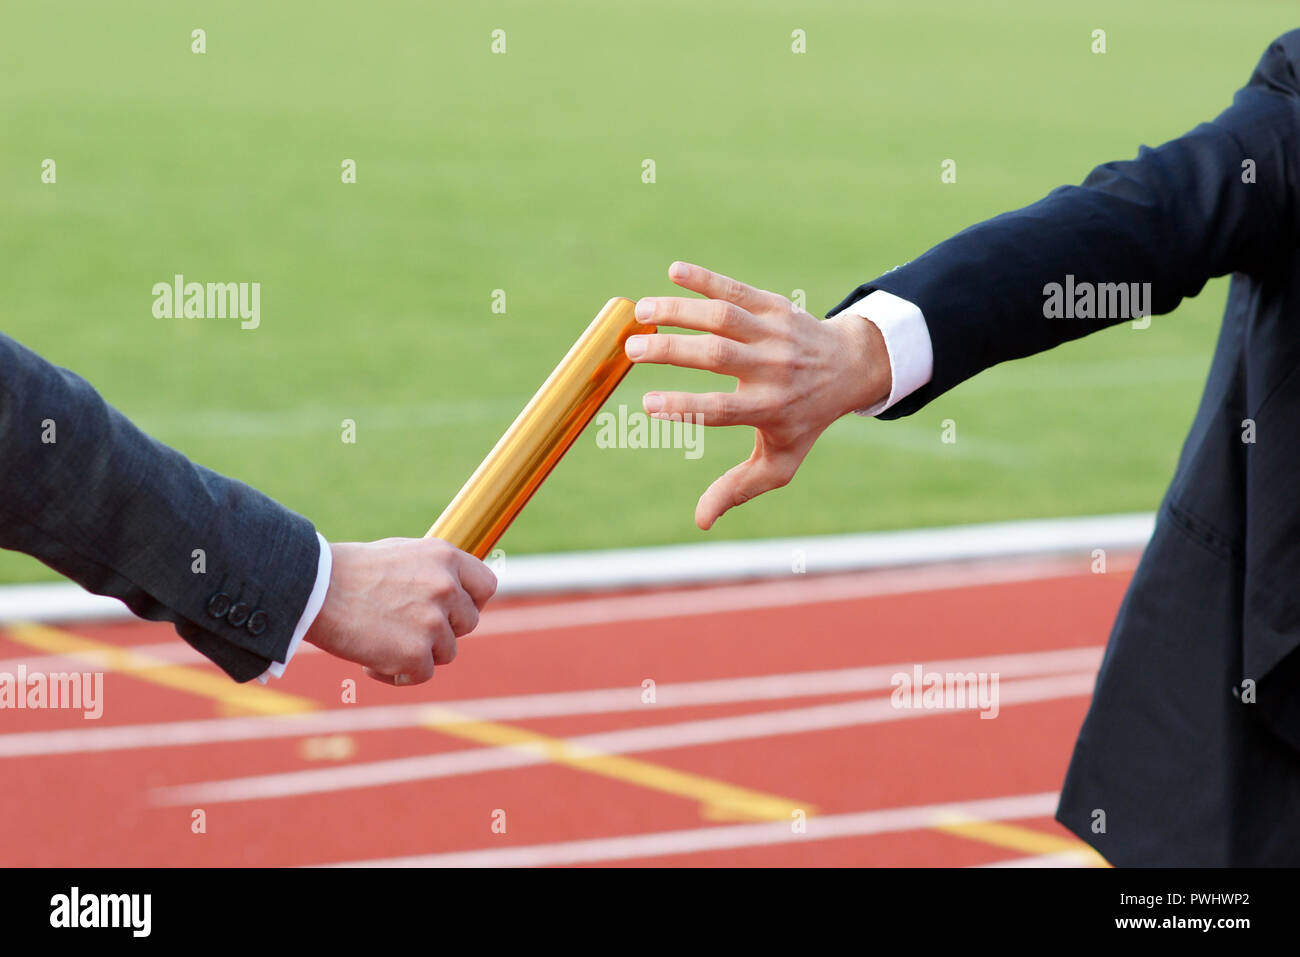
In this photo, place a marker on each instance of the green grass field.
(479, 171)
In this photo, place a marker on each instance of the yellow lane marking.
(246, 697)
(1024, 839)
(718, 800)
(330, 747)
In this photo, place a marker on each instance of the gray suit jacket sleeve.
(94, 498)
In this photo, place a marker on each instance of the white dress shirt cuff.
(314, 602)
(907, 343)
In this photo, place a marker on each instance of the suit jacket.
(1190, 752)
(122, 515)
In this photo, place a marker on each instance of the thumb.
(386, 679)
(758, 474)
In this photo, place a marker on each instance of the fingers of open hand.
(751, 478)
(708, 352)
(704, 315)
(717, 286)
(704, 408)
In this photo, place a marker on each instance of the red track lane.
(103, 808)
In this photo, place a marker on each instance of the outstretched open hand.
(796, 374)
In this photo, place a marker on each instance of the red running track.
(751, 724)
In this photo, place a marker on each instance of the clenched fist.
(398, 605)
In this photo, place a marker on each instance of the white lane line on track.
(660, 737)
(794, 592)
(730, 837)
(523, 707)
(657, 605)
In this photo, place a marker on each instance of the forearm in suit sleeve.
(1174, 217)
(93, 497)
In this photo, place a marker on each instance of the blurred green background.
(479, 171)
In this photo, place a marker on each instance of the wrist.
(323, 625)
(867, 378)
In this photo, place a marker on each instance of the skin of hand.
(796, 374)
(398, 605)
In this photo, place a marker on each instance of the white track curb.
(704, 563)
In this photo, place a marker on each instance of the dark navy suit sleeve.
(1174, 217)
(93, 497)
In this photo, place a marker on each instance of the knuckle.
(440, 633)
(787, 332)
(439, 551)
(720, 352)
(443, 585)
(769, 405)
(443, 648)
(431, 618)
(412, 659)
(723, 407)
(786, 361)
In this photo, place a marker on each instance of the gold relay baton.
(538, 438)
